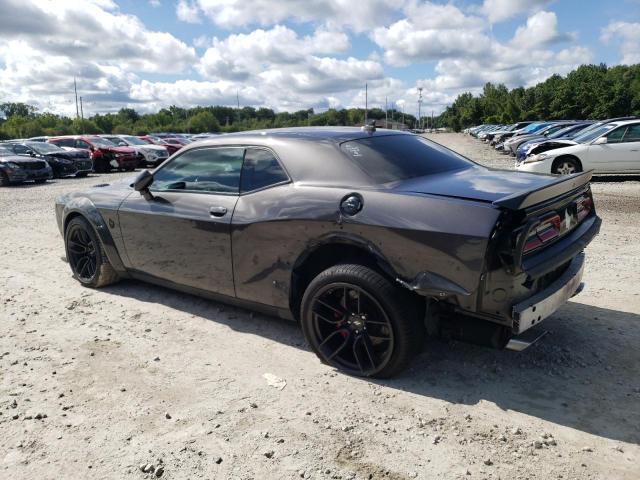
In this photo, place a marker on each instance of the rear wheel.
(81, 174)
(566, 166)
(40, 180)
(89, 263)
(357, 321)
(4, 180)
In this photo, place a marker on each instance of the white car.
(153, 155)
(611, 148)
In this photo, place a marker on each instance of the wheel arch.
(329, 252)
(570, 157)
(83, 207)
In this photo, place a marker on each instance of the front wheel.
(82, 174)
(565, 166)
(88, 261)
(40, 180)
(355, 320)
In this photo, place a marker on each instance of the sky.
(296, 54)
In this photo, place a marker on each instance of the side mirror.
(122, 144)
(32, 153)
(600, 141)
(142, 183)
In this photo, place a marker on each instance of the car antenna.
(370, 126)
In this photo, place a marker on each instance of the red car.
(105, 154)
(173, 148)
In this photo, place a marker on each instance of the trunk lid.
(503, 188)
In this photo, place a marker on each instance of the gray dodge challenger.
(370, 239)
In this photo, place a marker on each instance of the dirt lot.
(94, 384)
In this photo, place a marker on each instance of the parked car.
(611, 148)
(150, 155)
(350, 232)
(511, 145)
(499, 138)
(511, 128)
(151, 140)
(17, 169)
(562, 137)
(63, 162)
(105, 154)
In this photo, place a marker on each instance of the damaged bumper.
(533, 310)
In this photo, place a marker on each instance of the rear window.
(399, 157)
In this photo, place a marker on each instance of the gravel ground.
(136, 381)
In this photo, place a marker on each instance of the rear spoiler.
(558, 187)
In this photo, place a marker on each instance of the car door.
(607, 157)
(183, 233)
(630, 149)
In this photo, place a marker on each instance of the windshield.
(594, 133)
(567, 130)
(4, 151)
(101, 142)
(131, 140)
(391, 158)
(534, 127)
(44, 148)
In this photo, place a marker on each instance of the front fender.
(69, 207)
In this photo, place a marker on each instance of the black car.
(17, 169)
(63, 162)
(368, 238)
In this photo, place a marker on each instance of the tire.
(81, 241)
(566, 166)
(82, 174)
(40, 180)
(4, 180)
(101, 166)
(379, 333)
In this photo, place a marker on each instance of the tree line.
(25, 121)
(588, 92)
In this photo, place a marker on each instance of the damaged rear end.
(534, 263)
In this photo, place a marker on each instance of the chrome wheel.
(351, 329)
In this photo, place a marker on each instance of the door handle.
(218, 211)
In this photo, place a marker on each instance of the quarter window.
(202, 170)
(64, 142)
(261, 169)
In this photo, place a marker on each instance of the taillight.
(584, 205)
(548, 229)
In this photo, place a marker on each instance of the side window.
(260, 170)
(632, 134)
(616, 135)
(205, 169)
(80, 144)
(21, 150)
(64, 142)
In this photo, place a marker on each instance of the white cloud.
(500, 10)
(627, 35)
(540, 29)
(431, 32)
(187, 11)
(333, 13)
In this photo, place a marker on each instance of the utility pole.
(238, 99)
(419, 108)
(403, 114)
(81, 117)
(386, 113)
(75, 89)
(366, 103)
(432, 125)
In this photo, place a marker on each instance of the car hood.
(555, 143)
(475, 183)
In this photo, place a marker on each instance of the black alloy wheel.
(353, 331)
(355, 320)
(82, 253)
